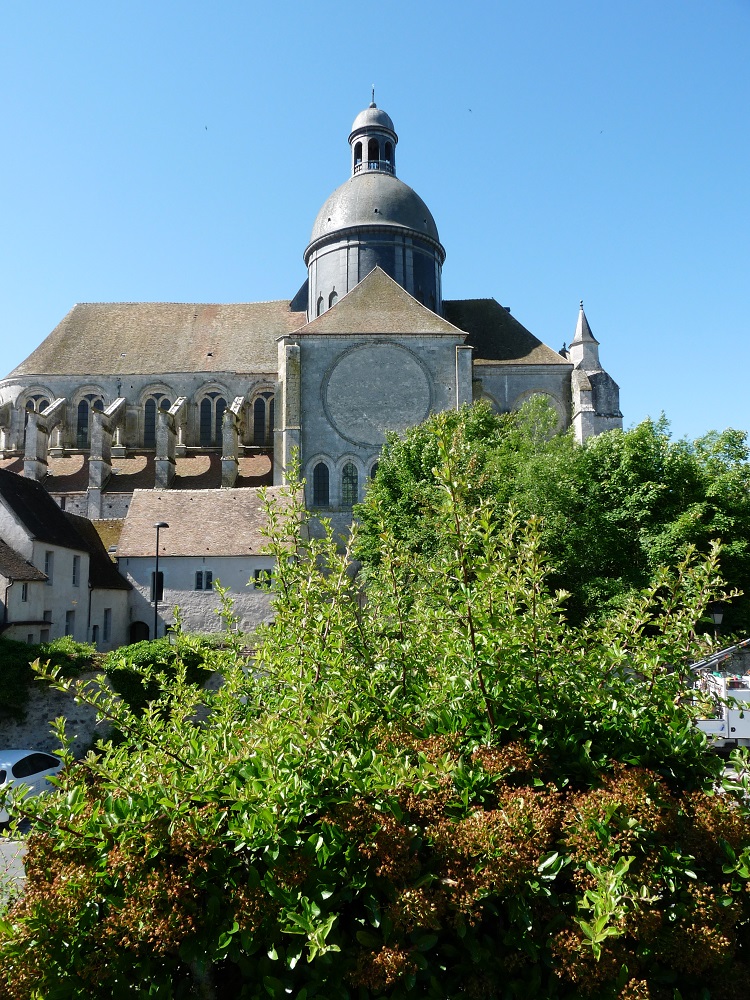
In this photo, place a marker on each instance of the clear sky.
(568, 149)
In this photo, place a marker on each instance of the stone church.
(170, 396)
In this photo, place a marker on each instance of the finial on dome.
(373, 104)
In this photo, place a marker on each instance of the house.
(59, 579)
(206, 537)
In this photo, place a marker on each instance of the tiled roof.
(135, 338)
(13, 566)
(103, 573)
(37, 511)
(378, 304)
(109, 530)
(496, 336)
(201, 522)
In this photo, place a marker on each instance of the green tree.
(614, 511)
(435, 788)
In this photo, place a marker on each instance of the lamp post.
(716, 614)
(159, 525)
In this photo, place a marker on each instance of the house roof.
(109, 530)
(38, 512)
(137, 338)
(379, 305)
(103, 574)
(496, 336)
(13, 566)
(226, 522)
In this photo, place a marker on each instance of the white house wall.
(197, 607)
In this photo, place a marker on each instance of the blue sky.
(179, 151)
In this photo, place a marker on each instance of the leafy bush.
(434, 789)
(17, 676)
(138, 672)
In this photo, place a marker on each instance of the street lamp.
(159, 525)
(716, 614)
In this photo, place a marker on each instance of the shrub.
(69, 656)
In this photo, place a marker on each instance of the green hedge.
(125, 666)
(16, 674)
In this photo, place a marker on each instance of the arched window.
(263, 420)
(35, 404)
(373, 154)
(349, 485)
(319, 308)
(389, 153)
(333, 298)
(83, 418)
(374, 470)
(211, 415)
(357, 155)
(149, 417)
(321, 481)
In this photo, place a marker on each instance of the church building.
(195, 396)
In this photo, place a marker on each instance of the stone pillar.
(103, 426)
(179, 410)
(166, 436)
(35, 447)
(464, 371)
(584, 414)
(6, 413)
(287, 437)
(36, 439)
(100, 456)
(231, 431)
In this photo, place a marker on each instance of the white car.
(27, 767)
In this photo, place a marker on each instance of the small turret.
(584, 347)
(596, 395)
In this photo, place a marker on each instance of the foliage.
(69, 656)
(139, 671)
(435, 788)
(614, 510)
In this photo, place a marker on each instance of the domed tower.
(373, 219)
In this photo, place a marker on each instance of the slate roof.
(13, 566)
(103, 574)
(145, 338)
(38, 512)
(496, 336)
(222, 522)
(379, 305)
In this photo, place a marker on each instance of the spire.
(373, 104)
(584, 347)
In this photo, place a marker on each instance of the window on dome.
(357, 154)
(373, 154)
(389, 153)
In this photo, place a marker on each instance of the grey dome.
(373, 198)
(372, 117)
